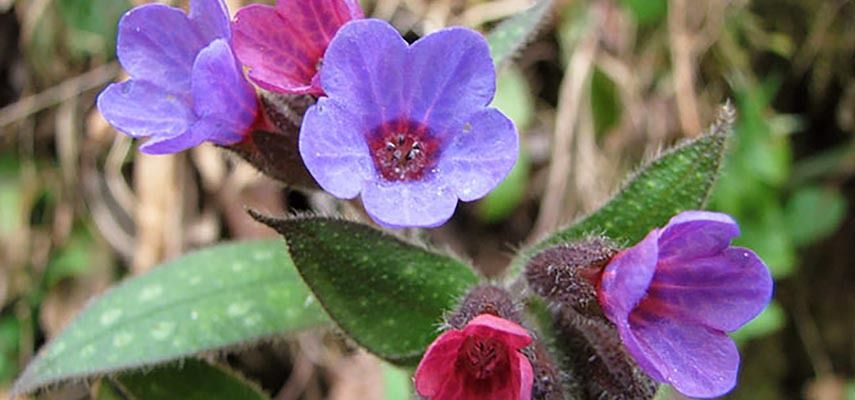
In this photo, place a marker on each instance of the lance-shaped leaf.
(386, 294)
(188, 380)
(679, 179)
(207, 300)
(510, 36)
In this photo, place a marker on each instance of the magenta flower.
(407, 126)
(283, 45)
(185, 86)
(481, 361)
(673, 296)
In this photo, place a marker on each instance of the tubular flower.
(185, 86)
(674, 295)
(283, 45)
(480, 361)
(407, 126)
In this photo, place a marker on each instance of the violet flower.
(407, 125)
(282, 46)
(480, 361)
(185, 86)
(673, 296)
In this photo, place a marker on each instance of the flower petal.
(526, 377)
(478, 158)
(150, 52)
(696, 234)
(283, 46)
(437, 365)
(364, 68)
(140, 108)
(211, 19)
(221, 94)
(426, 203)
(508, 332)
(723, 292)
(697, 361)
(627, 277)
(174, 144)
(334, 150)
(451, 76)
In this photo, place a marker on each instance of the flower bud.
(568, 274)
(599, 367)
(272, 146)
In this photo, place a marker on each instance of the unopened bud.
(272, 146)
(599, 366)
(567, 274)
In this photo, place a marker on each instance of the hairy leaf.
(386, 294)
(679, 179)
(512, 35)
(207, 300)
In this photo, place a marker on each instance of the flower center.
(403, 150)
(482, 357)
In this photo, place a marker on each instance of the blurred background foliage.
(605, 84)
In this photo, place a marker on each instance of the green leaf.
(207, 300)
(647, 12)
(505, 198)
(92, 24)
(679, 179)
(386, 294)
(769, 321)
(397, 383)
(510, 36)
(10, 337)
(189, 380)
(814, 213)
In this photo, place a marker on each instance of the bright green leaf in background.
(513, 34)
(91, 25)
(10, 336)
(211, 299)
(514, 98)
(188, 380)
(387, 295)
(769, 321)
(397, 383)
(647, 12)
(813, 213)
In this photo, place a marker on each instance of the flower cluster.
(409, 129)
(411, 134)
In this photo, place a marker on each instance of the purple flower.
(186, 86)
(673, 296)
(283, 45)
(407, 125)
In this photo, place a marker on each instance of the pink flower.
(282, 46)
(481, 361)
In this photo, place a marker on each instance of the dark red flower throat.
(483, 358)
(403, 150)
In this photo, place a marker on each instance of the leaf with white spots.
(513, 34)
(387, 295)
(208, 300)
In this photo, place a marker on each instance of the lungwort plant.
(639, 293)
